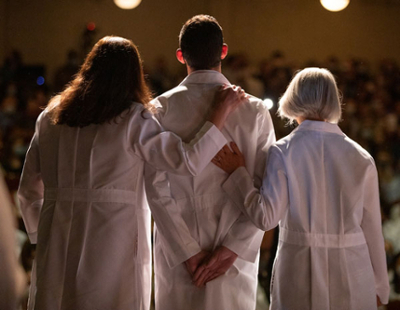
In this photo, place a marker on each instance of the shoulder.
(161, 103)
(257, 105)
(359, 150)
(163, 98)
(138, 114)
(256, 110)
(279, 147)
(43, 119)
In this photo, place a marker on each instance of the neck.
(300, 119)
(190, 69)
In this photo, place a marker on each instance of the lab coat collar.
(319, 126)
(205, 77)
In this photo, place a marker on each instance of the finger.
(198, 272)
(225, 149)
(235, 148)
(207, 277)
(200, 281)
(211, 263)
(213, 276)
(189, 269)
(217, 163)
(218, 154)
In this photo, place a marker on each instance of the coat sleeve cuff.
(175, 258)
(216, 135)
(242, 249)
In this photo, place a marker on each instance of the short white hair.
(312, 94)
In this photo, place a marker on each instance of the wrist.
(218, 120)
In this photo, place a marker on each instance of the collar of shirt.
(205, 77)
(319, 126)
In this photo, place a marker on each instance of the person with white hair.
(322, 189)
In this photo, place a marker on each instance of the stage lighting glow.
(127, 4)
(40, 80)
(269, 103)
(335, 5)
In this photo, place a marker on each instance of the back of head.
(312, 94)
(201, 42)
(109, 81)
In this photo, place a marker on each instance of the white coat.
(83, 202)
(204, 217)
(322, 188)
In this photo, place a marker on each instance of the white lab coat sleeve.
(372, 228)
(177, 242)
(243, 237)
(264, 207)
(31, 188)
(166, 151)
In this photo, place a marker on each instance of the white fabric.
(323, 189)
(203, 217)
(86, 187)
(11, 276)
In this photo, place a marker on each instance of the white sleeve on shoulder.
(166, 151)
(177, 242)
(31, 188)
(243, 237)
(372, 228)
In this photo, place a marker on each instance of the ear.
(224, 51)
(179, 56)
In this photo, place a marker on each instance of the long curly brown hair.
(110, 80)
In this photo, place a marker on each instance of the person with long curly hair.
(82, 191)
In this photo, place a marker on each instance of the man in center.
(206, 223)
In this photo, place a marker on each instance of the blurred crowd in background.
(371, 117)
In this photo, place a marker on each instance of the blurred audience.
(371, 96)
(65, 73)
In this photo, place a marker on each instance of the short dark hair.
(201, 42)
(109, 82)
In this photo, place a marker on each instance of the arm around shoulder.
(265, 206)
(165, 150)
